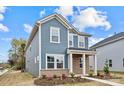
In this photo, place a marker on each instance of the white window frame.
(51, 29)
(81, 41)
(55, 63)
(72, 37)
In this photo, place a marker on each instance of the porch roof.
(80, 51)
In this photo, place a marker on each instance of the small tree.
(106, 68)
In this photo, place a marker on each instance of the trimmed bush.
(64, 76)
(72, 75)
(44, 76)
(54, 76)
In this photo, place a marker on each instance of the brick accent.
(57, 72)
(76, 64)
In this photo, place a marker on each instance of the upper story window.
(54, 35)
(70, 40)
(81, 42)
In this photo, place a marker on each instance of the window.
(123, 62)
(54, 35)
(55, 61)
(71, 40)
(59, 61)
(81, 62)
(110, 63)
(81, 41)
(50, 61)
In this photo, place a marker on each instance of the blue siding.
(53, 48)
(31, 66)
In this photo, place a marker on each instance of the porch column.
(70, 63)
(95, 64)
(84, 65)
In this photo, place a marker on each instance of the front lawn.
(14, 78)
(117, 77)
(120, 77)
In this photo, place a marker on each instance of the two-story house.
(55, 47)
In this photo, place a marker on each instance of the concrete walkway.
(104, 81)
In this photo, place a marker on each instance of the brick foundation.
(59, 72)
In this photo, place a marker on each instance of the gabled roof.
(61, 19)
(109, 40)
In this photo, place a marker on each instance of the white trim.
(68, 38)
(55, 63)
(84, 64)
(95, 64)
(83, 41)
(40, 50)
(58, 29)
(72, 37)
(70, 63)
(57, 17)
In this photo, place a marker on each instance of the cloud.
(42, 13)
(90, 17)
(94, 40)
(6, 39)
(3, 9)
(3, 28)
(27, 28)
(65, 10)
(1, 17)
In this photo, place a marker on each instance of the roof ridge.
(108, 39)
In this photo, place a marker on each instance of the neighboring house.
(111, 50)
(55, 47)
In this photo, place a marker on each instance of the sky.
(100, 21)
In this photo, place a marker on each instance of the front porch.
(79, 61)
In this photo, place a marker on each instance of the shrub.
(64, 76)
(54, 76)
(98, 74)
(91, 73)
(72, 75)
(43, 76)
(106, 68)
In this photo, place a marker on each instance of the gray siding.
(31, 66)
(114, 51)
(53, 48)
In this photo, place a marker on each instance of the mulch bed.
(59, 81)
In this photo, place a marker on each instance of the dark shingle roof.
(108, 40)
(73, 48)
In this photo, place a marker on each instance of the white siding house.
(111, 50)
